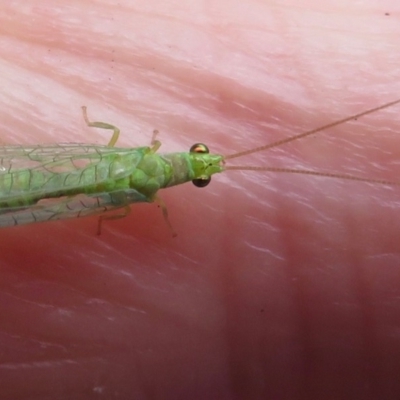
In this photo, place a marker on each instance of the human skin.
(277, 286)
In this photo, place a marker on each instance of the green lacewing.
(51, 182)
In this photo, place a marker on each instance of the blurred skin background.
(278, 286)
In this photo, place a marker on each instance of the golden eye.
(199, 148)
(201, 182)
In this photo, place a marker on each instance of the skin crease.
(278, 286)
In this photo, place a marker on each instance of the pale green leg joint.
(102, 125)
(155, 144)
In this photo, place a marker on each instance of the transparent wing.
(37, 170)
(69, 207)
(19, 155)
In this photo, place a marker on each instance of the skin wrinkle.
(315, 315)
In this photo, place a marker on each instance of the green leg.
(102, 125)
(164, 210)
(123, 214)
(155, 144)
(153, 138)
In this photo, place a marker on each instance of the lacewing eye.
(201, 182)
(199, 148)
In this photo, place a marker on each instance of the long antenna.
(307, 133)
(313, 173)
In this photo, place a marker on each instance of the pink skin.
(278, 286)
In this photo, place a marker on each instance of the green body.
(66, 181)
